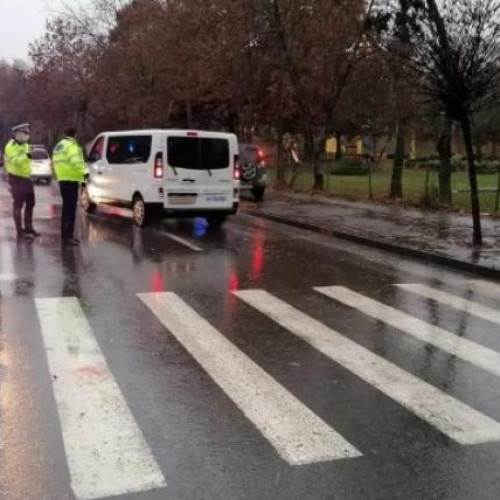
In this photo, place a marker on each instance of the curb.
(433, 258)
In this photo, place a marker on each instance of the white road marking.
(298, 435)
(452, 417)
(106, 451)
(474, 353)
(7, 272)
(184, 242)
(468, 306)
(487, 287)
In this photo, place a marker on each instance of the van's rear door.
(200, 170)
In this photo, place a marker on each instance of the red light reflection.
(157, 284)
(230, 301)
(257, 255)
(234, 282)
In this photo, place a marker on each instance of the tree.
(402, 41)
(14, 108)
(391, 29)
(63, 75)
(314, 45)
(456, 57)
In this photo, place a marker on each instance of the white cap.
(24, 127)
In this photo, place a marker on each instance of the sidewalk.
(438, 237)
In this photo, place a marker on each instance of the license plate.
(219, 198)
(181, 200)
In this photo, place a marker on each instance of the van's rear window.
(128, 149)
(197, 153)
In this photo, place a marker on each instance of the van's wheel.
(86, 202)
(258, 193)
(140, 213)
(216, 220)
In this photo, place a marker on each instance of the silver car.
(41, 166)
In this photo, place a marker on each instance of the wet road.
(257, 362)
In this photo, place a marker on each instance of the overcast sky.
(21, 22)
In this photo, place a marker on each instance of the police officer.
(17, 158)
(69, 166)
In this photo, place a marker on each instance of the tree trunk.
(81, 116)
(479, 150)
(338, 153)
(280, 172)
(477, 239)
(445, 169)
(313, 155)
(170, 109)
(319, 178)
(399, 161)
(189, 114)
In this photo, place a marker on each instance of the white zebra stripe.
(486, 287)
(452, 417)
(106, 451)
(474, 353)
(298, 435)
(459, 303)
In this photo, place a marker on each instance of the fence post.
(370, 186)
(427, 187)
(497, 203)
(327, 176)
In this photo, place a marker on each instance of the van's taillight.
(237, 168)
(158, 172)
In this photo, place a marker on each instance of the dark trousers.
(23, 195)
(69, 193)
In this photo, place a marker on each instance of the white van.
(168, 173)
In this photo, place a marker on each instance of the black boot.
(31, 232)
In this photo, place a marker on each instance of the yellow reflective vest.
(16, 159)
(69, 164)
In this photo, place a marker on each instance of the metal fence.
(420, 186)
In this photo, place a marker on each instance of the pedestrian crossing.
(299, 436)
(107, 453)
(474, 353)
(455, 419)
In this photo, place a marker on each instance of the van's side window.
(128, 149)
(96, 152)
(198, 154)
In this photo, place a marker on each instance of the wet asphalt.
(202, 442)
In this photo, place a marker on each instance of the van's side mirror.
(92, 157)
(86, 153)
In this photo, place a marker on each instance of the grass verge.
(355, 187)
